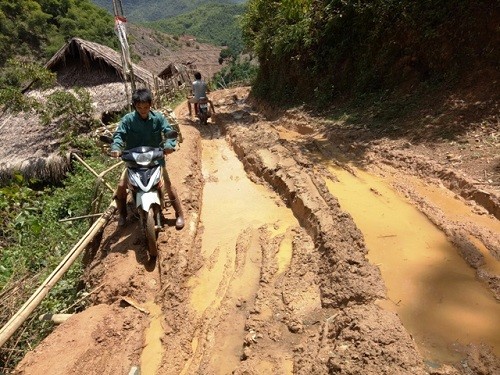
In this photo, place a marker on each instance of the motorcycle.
(144, 180)
(203, 110)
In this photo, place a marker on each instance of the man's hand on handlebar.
(115, 153)
(167, 151)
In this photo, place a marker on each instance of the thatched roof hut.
(80, 55)
(32, 149)
(97, 68)
(177, 76)
(170, 71)
(181, 72)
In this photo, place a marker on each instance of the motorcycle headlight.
(143, 158)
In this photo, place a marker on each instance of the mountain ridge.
(154, 10)
(210, 23)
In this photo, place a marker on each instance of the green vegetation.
(315, 50)
(218, 24)
(36, 29)
(33, 242)
(18, 74)
(240, 72)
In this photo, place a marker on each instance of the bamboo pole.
(96, 201)
(109, 169)
(79, 217)
(99, 176)
(32, 303)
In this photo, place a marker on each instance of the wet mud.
(272, 274)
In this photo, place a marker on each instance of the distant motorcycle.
(203, 110)
(144, 179)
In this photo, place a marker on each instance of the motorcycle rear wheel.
(150, 231)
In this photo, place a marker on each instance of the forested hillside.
(211, 23)
(319, 49)
(154, 10)
(36, 29)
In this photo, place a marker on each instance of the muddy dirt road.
(298, 257)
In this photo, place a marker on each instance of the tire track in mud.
(486, 255)
(238, 219)
(430, 285)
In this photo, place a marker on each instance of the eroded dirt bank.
(247, 288)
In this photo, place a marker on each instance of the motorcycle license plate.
(203, 106)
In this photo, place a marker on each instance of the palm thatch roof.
(29, 148)
(92, 57)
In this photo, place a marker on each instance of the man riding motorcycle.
(199, 90)
(144, 127)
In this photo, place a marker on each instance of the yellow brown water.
(153, 351)
(456, 210)
(432, 289)
(232, 205)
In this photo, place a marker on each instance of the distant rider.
(199, 89)
(144, 127)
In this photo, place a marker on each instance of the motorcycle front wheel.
(150, 231)
(203, 118)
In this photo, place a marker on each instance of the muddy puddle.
(429, 285)
(153, 350)
(457, 211)
(237, 216)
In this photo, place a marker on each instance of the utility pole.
(121, 32)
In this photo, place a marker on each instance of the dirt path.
(277, 270)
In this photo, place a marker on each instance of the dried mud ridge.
(318, 317)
